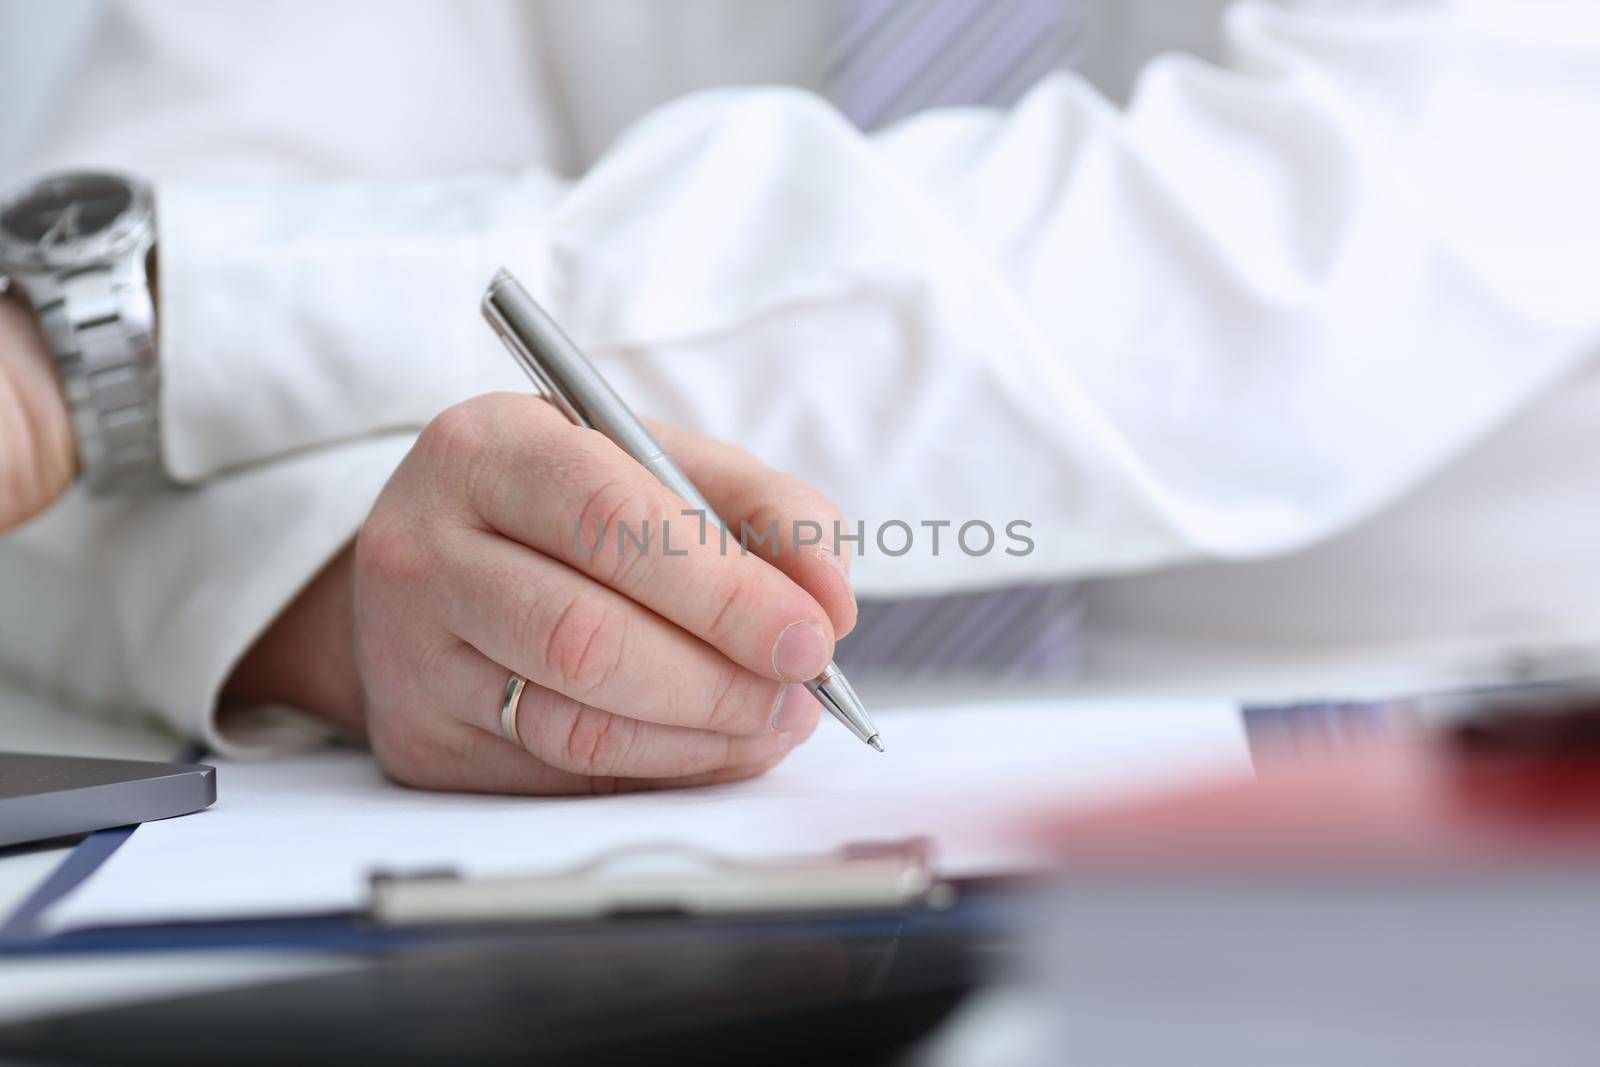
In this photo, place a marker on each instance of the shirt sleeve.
(1258, 305)
(139, 607)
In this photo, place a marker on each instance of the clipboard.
(852, 954)
(879, 886)
(671, 879)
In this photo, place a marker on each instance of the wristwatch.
(77, 244)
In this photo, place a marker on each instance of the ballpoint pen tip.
(875, 743)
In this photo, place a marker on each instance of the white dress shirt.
(1327, 303)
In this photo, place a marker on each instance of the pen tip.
(875, 743)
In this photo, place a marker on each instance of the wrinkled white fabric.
(1257, 311)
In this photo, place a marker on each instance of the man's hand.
(645, 669)
(38, 459)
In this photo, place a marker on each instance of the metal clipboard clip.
(670, 879)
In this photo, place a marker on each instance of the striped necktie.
(891, 59)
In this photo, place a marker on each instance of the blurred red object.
(1514, 784)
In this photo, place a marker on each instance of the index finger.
(800, 526)
(572, 495)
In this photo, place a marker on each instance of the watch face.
(69, 218)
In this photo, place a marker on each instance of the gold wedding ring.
(508, 709)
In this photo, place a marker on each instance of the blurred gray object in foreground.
(1491, 969)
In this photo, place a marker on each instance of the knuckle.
(620, 523)
(459, 432)
(579, 451)
(583, 646)
(801, 502)
(735, 706)
(455, 451)
(406, 757)
(391, 553)
(597, 742)
(728, 607)
(464, 448)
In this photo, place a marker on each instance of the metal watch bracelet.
(100, 324)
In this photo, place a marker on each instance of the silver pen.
(569, 381)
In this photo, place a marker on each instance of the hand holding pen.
(567, 378)
(641, 670)
(629, 669)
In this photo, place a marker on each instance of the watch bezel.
(119, 238)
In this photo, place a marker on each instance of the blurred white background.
(43, 41)
(40, 45)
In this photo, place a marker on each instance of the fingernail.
(836, 561)
(801, 652)
(791, 709)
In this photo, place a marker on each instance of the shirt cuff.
(249, 543)
(298, 315)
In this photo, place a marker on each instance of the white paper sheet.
(301, 835)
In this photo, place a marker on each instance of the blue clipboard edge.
(22, 926)
(979, 905)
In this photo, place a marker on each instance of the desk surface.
(994, 1027)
